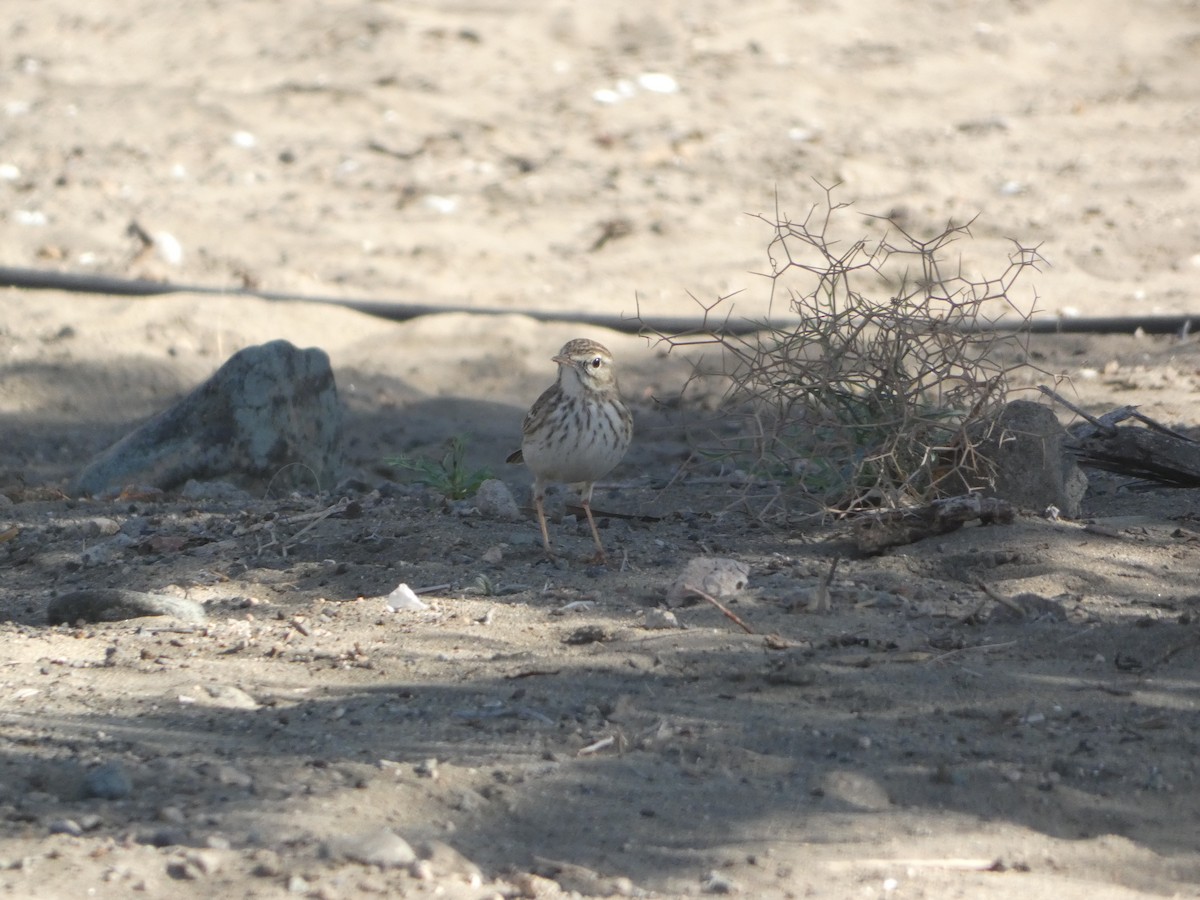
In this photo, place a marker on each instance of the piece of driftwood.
(1141, 453)
(893, 527)
(1154, 453)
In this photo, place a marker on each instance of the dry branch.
(864, 391)
(1154, 453)
(725, 610)
(874, 532)
(1142, 453)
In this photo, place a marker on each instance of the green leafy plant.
(449, 476)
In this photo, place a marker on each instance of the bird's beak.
(561, 360)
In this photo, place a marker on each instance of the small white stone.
(168, 248)
(658, 83)
(444, 205)
(404, 598)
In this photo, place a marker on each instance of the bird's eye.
(597, 363)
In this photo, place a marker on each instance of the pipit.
(577, 431)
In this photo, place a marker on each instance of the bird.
(577, 430)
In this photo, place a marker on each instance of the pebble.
(442, 860)
(719, 577)
(853, 789)
(168, 247)
(657, 83)
(382, 848)
(791, 668)
(228, 775)
(495, 501)
(660, 619)
(168, 836)
(199, 864)
(716, 883)
(422, 870)
(66, 826)
(106, 552)
(226, 696)
(267, 864)
(108, 782)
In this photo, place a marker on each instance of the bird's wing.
(540, 410)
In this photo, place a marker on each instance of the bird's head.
(587, 364)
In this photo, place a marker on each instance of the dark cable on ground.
(37, 279)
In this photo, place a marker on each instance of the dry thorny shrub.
(877, 390)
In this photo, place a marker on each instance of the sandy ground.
(524, 157)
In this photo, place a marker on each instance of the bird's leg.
(539, 501)
(585, 500)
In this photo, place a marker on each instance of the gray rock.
(203, 863)
(717, 883)
(108, 782)
(117, 604)
(383, 848)
(105, 552)
(270, 414)
(495, 501)
(659, 619)
(228, 696)
(66, 826)
(165, 836)
(716, 576)
(852, 790)
(441, 860)
(1033, 471)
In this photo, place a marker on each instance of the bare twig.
(1086, 416)
(596, 747)
(1017, 608)
(1107, 422)
(979, 648)
(1170, 652)
(821, 601)
(719, 605)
